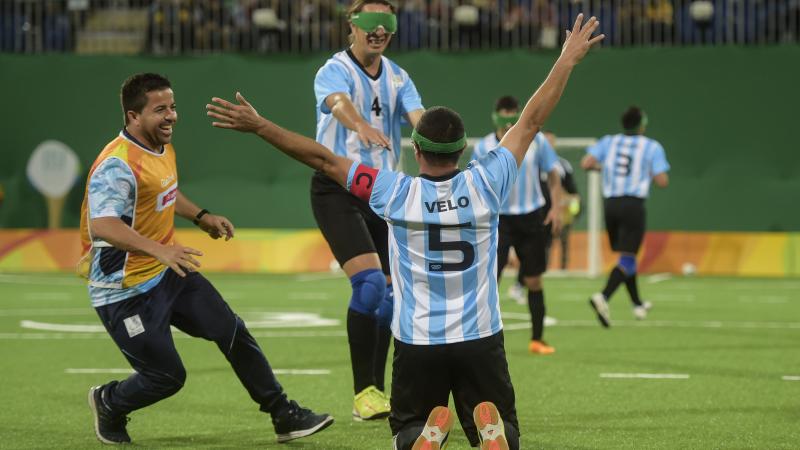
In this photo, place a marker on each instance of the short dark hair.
(441, 124)
(358, 5)
(134, 91)
(632, 118)
(506, 102)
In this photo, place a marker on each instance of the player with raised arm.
(524, 223)
(141, 282)
(443, 247)
(362, 99)
(629, 161)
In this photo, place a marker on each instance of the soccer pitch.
(727, 351)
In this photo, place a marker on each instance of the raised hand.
(242, 117)
(178, 258)
(580, 39)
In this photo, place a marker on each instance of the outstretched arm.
(541, 104)
(243, 117)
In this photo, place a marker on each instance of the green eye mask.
(370, 21)
(503, 122)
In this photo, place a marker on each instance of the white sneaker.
(517, 293)
(598, 302)
(640, 312)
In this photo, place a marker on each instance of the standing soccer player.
(443, 248)
(629, 161)
(362, 99)
(141, 282)
(524, 222)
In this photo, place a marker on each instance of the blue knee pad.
(628, 264)
(383, 315)
(369, 288)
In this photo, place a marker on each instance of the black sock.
(536, 306)
(633, 289)
(616, 278)
(381, 353)
(361, 331)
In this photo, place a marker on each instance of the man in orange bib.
(141, 282)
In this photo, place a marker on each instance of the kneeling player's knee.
(627, 263)
(369, 289)
(385, 310)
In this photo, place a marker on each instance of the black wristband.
(199, 216)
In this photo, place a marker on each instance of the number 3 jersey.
(382, 100)
(628, 163)
(442, 246)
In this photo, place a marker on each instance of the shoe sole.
(93, 406)
(486, 416)
(600, 316)
(286, 437)
(430, 439)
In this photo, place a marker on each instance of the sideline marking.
(668, 324)
(649, 376)
(790, 378)
(659, 278)
(176, 335)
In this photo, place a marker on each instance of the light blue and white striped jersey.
(442, 246)
(382, 101)
(629, 164)
(526, 196)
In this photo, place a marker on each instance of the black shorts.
(625, 223)
(530, 239)
(348, 224)
(423, 376)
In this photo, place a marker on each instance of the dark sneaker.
(109, 428)
(299, 422)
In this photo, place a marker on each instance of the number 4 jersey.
(442, 246)
(382, 100)
(629, 164)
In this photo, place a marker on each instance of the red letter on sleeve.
(363, 182)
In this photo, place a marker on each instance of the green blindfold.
(503, 122)
(428, 145)
(370, 21)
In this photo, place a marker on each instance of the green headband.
(428, 145)
(642, 123)
(504, 121)
(370, 21)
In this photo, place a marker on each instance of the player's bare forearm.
(662, 180)
(307, 151)
(117, 233)
(589, 162)
(414, 116)
(185, 207)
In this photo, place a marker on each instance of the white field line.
(764, 299)
(88, 311)
(648, 376)
(177, 335)
(319, 276)
(69, 328)
(83, 371)
(667, 324)
(659, 278)
(790, 378)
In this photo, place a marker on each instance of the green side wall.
(724, 115)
